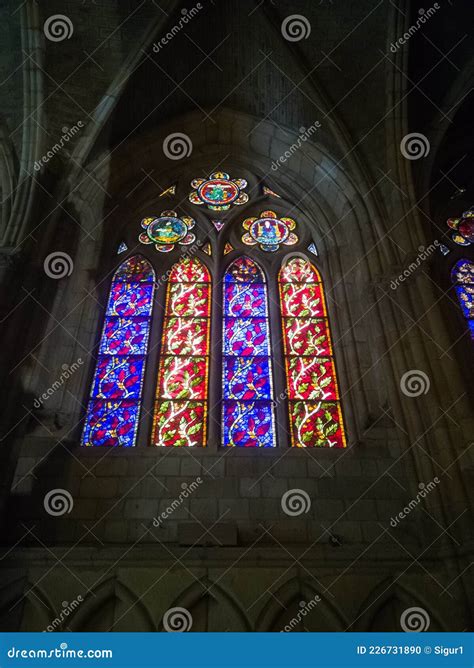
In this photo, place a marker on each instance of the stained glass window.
(114, 406)
(181, 394)
(248, 418)
(314, 408)
(463, 279)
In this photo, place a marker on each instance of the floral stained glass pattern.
(463, 279)
(114, 407)
(248, 418)
(314, 408)
(181, 395)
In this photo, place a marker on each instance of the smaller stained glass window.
(181, 395)
(114, 406)
(313, 398)
(463, 279)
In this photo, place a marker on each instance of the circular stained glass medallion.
(269, 231)
(166, 230)
(218, 192)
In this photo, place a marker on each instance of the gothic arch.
(211, 607)
(112, 605)
(323, 616)
(388, 599)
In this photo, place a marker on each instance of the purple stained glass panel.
(246, 336)
(246, 378)
(245, 300)
(130, 299)
(249, 424)
(111, 423)
(118, 377)
(125, 336)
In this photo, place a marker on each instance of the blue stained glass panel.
(111, 423)
(118, 377)
(249, 424)
(130, 299)
(245, 300)
(246, 336)
(247, 378)
(247, 411)
(114, 407)
(466, 299)
(125, 336)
